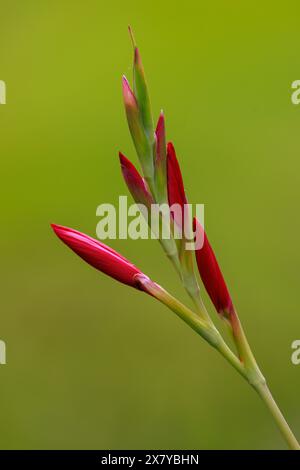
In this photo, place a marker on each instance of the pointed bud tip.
(123, 160)
(195, 224)
(125, 81)
(160, 122)
(160, 134)
(128, 169)
(171, 149)
(59, 230)
(128, 94)
(55, 227)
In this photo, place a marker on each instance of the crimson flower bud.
(211, 274)
(161, 158)
(100, 256)
(135, 183)
(130, 100)
(176, 193)
(180, 213)
(160, 133)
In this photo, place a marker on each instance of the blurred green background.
(92, 363)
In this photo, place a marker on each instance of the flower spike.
(161, 182)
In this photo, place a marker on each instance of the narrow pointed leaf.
(141, 92)
(141, 142)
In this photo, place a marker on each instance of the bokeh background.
(91, 363)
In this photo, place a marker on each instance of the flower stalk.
(161, 182)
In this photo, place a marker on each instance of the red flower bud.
(176, 193)
(160, 133)
(161, 160)
(128, 95)
(211, 274)
(135, 183)
(100, 256)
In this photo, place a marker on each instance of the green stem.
(200, 307)
(244, 350)
(247, 367)
(258, 382)
(232, 359)
(191, 286)
(283, 426)
(205, 329)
